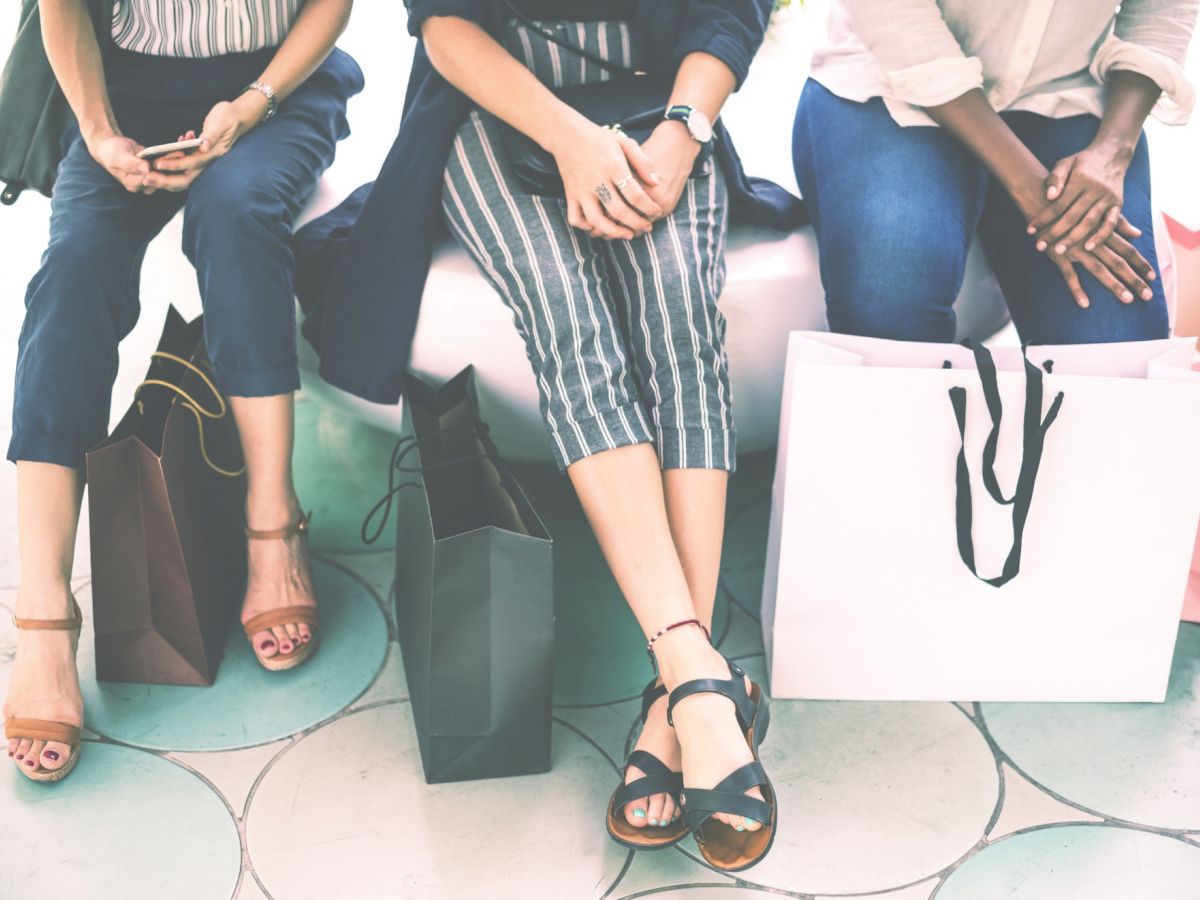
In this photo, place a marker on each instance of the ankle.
(268, 511)
(681, 654)
(44, 598)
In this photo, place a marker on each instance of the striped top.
(201, 28)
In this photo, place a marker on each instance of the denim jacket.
(361, 269)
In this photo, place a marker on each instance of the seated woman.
(924, 124)
(614, 289)
(269, 99)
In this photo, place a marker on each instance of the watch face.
(699, 126)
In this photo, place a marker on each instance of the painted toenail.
(51, 755)
(654, 821)
(741, 828)
(267, 645)
(287, 648)
(30, 763)
(22, 756)
(637, 813)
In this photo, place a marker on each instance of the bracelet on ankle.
(662, 631)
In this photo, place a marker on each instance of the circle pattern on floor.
(351, 798)
(847, 822)
(248, 705)
(1133, 761)
(72, 840)
(1092, 861)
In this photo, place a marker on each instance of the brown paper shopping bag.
(167, 500)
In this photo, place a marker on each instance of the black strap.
(606, 65)
(729, 797)
(1033, 446)
(734, 688)
(658, 779)
(650, 695)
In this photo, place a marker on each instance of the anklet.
(662, 631)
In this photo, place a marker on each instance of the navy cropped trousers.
(237, 230)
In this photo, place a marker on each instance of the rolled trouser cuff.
(621, 426)
(47, 448)
(698, 448)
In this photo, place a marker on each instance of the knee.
(892, 285)
(88, 283)
(231, 210)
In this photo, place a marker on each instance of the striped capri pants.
(625, 338)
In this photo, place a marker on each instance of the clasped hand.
(616, 188)
(1077, 219)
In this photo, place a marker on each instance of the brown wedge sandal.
(41, 729)
(285, 615)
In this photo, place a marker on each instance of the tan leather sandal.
(285, 615)
(40, 729)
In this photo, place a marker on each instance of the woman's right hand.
(1116, 263)
(119, 157)
(603, 172)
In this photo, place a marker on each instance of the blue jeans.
(237, 229)
(895, 210)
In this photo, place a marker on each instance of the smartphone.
(163, 149)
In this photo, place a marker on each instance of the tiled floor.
(309, 784)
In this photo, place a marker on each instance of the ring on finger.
(624, 181)
(604, 193)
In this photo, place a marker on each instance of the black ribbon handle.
(1035, 429)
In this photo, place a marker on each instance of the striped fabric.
(201, 28)
(625, 337)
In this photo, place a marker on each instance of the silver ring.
(604, 194)
(624, 181)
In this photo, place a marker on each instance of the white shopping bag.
(867, 595)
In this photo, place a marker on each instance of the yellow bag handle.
(191, 405)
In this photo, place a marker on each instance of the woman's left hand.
(673, 152)
(223, 126)
(1085, 193)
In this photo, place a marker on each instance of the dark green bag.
(34, 114)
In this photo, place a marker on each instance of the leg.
(669, 284)
(237, 232)
(894, 211)
(1042, 308)
(79, 306)
(557, 284)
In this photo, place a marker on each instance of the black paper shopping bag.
(474, 593)
(167, 501)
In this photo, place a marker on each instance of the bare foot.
(278, 575)
(658, 739)
(713, 743)
(44, 685)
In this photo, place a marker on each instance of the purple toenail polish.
(267, 645)
(51, 755)
(287, 648)
(20, 756)
(30, 763)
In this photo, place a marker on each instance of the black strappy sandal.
(658, 779)
(722, 846)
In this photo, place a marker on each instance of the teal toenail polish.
(654, 821)
(741, 828)
(639, 814)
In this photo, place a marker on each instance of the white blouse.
(1043, 56)
(201, 28)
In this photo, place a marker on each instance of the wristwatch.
(267, 91)
(697, 122)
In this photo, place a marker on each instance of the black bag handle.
(1033, 446)
(606, 65)
(404, 447)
